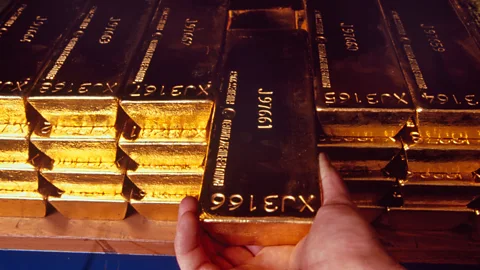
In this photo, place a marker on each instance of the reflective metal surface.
(106, 104)
(262, 165)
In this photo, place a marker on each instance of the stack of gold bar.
(169, 103)
(77, 106)
(108, 103)
(29, 30)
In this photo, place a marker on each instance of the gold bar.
(441, 60)
(168, 95)
(371, 192)
(28, 32)
(365, 158)
(76, 99)
(78, 91)
(75, 92)
(452, 196)
(447, 161)
(88, 190)
(359, 86)
(261, 19)
(266, 4)
(261, 182)
(19, 195)
(427, 218)
(163, 188)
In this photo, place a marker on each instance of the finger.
(332, 186)
(237, 255)
(188, 249)
(188, 204)
(221, 262)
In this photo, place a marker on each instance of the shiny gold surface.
(87, 190)
(169, 115)
(262, 169)
(74, 90)
(105, 207)
(162, 189)
(170, 85)
(440, 59)
(443, 161)
(167, 147)
(76, 144)
(365, 157)
(359, 86)
(19, 190)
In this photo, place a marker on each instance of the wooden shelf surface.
(137, 235)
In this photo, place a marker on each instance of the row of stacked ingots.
(107, 103)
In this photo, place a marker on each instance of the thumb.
(334, 191)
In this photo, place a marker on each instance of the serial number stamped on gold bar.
(351, 42)
(265, 115)
(270, 204)
(444, 99)
(433, 39)
(370, 99)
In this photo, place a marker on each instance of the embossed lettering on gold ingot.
(359, 86)
(28, 32)
(79, 88)
(440, 59)
(163, 188)
(170, 87)
(76, 98)
(87, 190)
(262, 168)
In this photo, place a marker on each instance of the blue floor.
(23, 260)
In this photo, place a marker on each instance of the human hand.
(338, 239)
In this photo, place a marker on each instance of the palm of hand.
(339, 239)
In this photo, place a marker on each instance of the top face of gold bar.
(357, 70)
(80, 86)
(262, 162)
(93, 61)
(265, 4)
(179, 59)
(28, 33)
(443, 61)
(444, 58)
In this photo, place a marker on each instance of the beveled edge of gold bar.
(60, 110)
(158, 209)
(144, 116)
(288, 231)
(257, 231)
(22, 204)
(440, 184)
(341, 123)
(84, 207)
(12, 107)
(370, 179)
